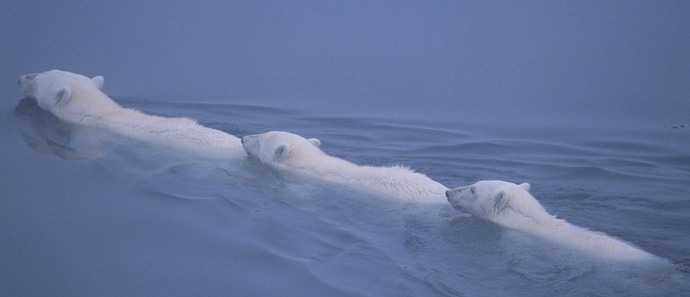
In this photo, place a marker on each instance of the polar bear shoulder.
(78, 99)
(287, 151)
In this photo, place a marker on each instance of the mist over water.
(500, 61)
(588, 101)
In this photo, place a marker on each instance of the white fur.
(512, 206)
(79, 100)
(292, 152)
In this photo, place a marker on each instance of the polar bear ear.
(500, 201)
(62, 96)
(315, 141)
(526, 186)
(281, 153)
(98, 81)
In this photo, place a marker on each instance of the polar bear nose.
(26, 77)
(248, 139)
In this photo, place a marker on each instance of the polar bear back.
(512, 206)
(79, 100)
(177, 131)
(293, 153)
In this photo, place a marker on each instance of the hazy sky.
(563, 58)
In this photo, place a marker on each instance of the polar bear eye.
(472, 190)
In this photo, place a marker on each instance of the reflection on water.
(120, 217)
(45, 133)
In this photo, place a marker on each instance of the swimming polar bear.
(511, 205)
(287, 151)
(79, 100)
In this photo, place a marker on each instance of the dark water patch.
(679, 161)
(625, 146)
(381, 133)
(504, 148)
(594, 173)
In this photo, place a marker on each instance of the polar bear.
(294, 153)
(511, 205)
(79, 100)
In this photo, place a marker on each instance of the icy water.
(88, 213)
(586, 100)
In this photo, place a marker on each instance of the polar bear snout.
(26, 82)
(450, 193)
(461, 198)
(452, 199)
(248, 139)
(26, 78)
(250, 144)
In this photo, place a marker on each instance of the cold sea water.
(89, 213)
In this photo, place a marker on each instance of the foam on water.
(116, 217)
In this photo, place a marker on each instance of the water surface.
(110, 216)
(587, 101)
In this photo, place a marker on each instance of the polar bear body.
(79, 100)
(511, 205)
(287, 151)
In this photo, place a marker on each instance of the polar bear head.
(280, 148)
(54, 89)
(501, 202)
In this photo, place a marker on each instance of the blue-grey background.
(617, 59)
(587, 100)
